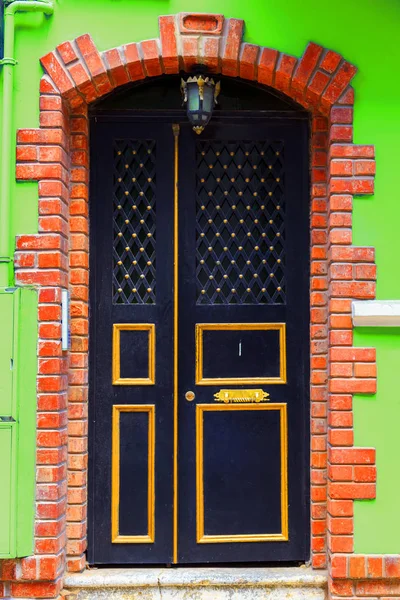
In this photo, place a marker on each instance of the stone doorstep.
(203, 583)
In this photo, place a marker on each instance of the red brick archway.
(56, 155)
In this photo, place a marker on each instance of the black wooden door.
(199, 346)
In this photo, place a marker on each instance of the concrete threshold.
(202, 583)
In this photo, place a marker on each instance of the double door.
(198, 342)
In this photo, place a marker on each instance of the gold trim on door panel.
(263, 537)
(116, 538)
(116, 354)
(201, 327)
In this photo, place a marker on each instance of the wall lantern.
(199, 93)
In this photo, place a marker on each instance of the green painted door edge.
(18, 361)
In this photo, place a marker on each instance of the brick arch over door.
(56, 155)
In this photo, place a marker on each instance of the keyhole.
(240, 348)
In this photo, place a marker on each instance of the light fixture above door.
(200, 92)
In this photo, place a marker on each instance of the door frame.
(178, 117)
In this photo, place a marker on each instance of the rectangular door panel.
(241, 487)
(134, 354)
(240, 353)
(133, 471)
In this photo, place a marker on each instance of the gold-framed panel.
(283, 535)
(201, 327)
(116, 538)
(116, 354)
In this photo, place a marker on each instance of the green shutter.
(18, 334)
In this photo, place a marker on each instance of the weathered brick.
(316, 87)
(284, 72)
(94, 63)
(352, 386)
(306, 66)
(190, 52)
(330, 61)
(134, 63)
(365, 474)
(374, 566)
(58, 74)
(230, 57)
(339, 567)
(248, 61)
(151, 58)
(353, 456)
(116, 68)
(169, 49)
(266, 66)
(339, 83)
(357, 567)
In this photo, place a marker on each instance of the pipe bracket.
(8, 61)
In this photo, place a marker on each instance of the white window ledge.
(376, 313)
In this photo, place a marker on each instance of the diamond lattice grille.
(134, 256)
(240, 236)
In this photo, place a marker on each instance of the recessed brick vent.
(201, 23)
(56, 155)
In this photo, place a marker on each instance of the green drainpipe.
(7, 143)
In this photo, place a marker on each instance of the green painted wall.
(366, 33)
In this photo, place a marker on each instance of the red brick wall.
(56, 155)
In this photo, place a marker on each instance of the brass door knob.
(190, 396)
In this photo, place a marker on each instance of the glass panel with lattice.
(134, 222)
(240, 235)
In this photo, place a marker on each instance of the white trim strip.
(65, 330)
(376, 313)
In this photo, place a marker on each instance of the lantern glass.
(193, 103)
